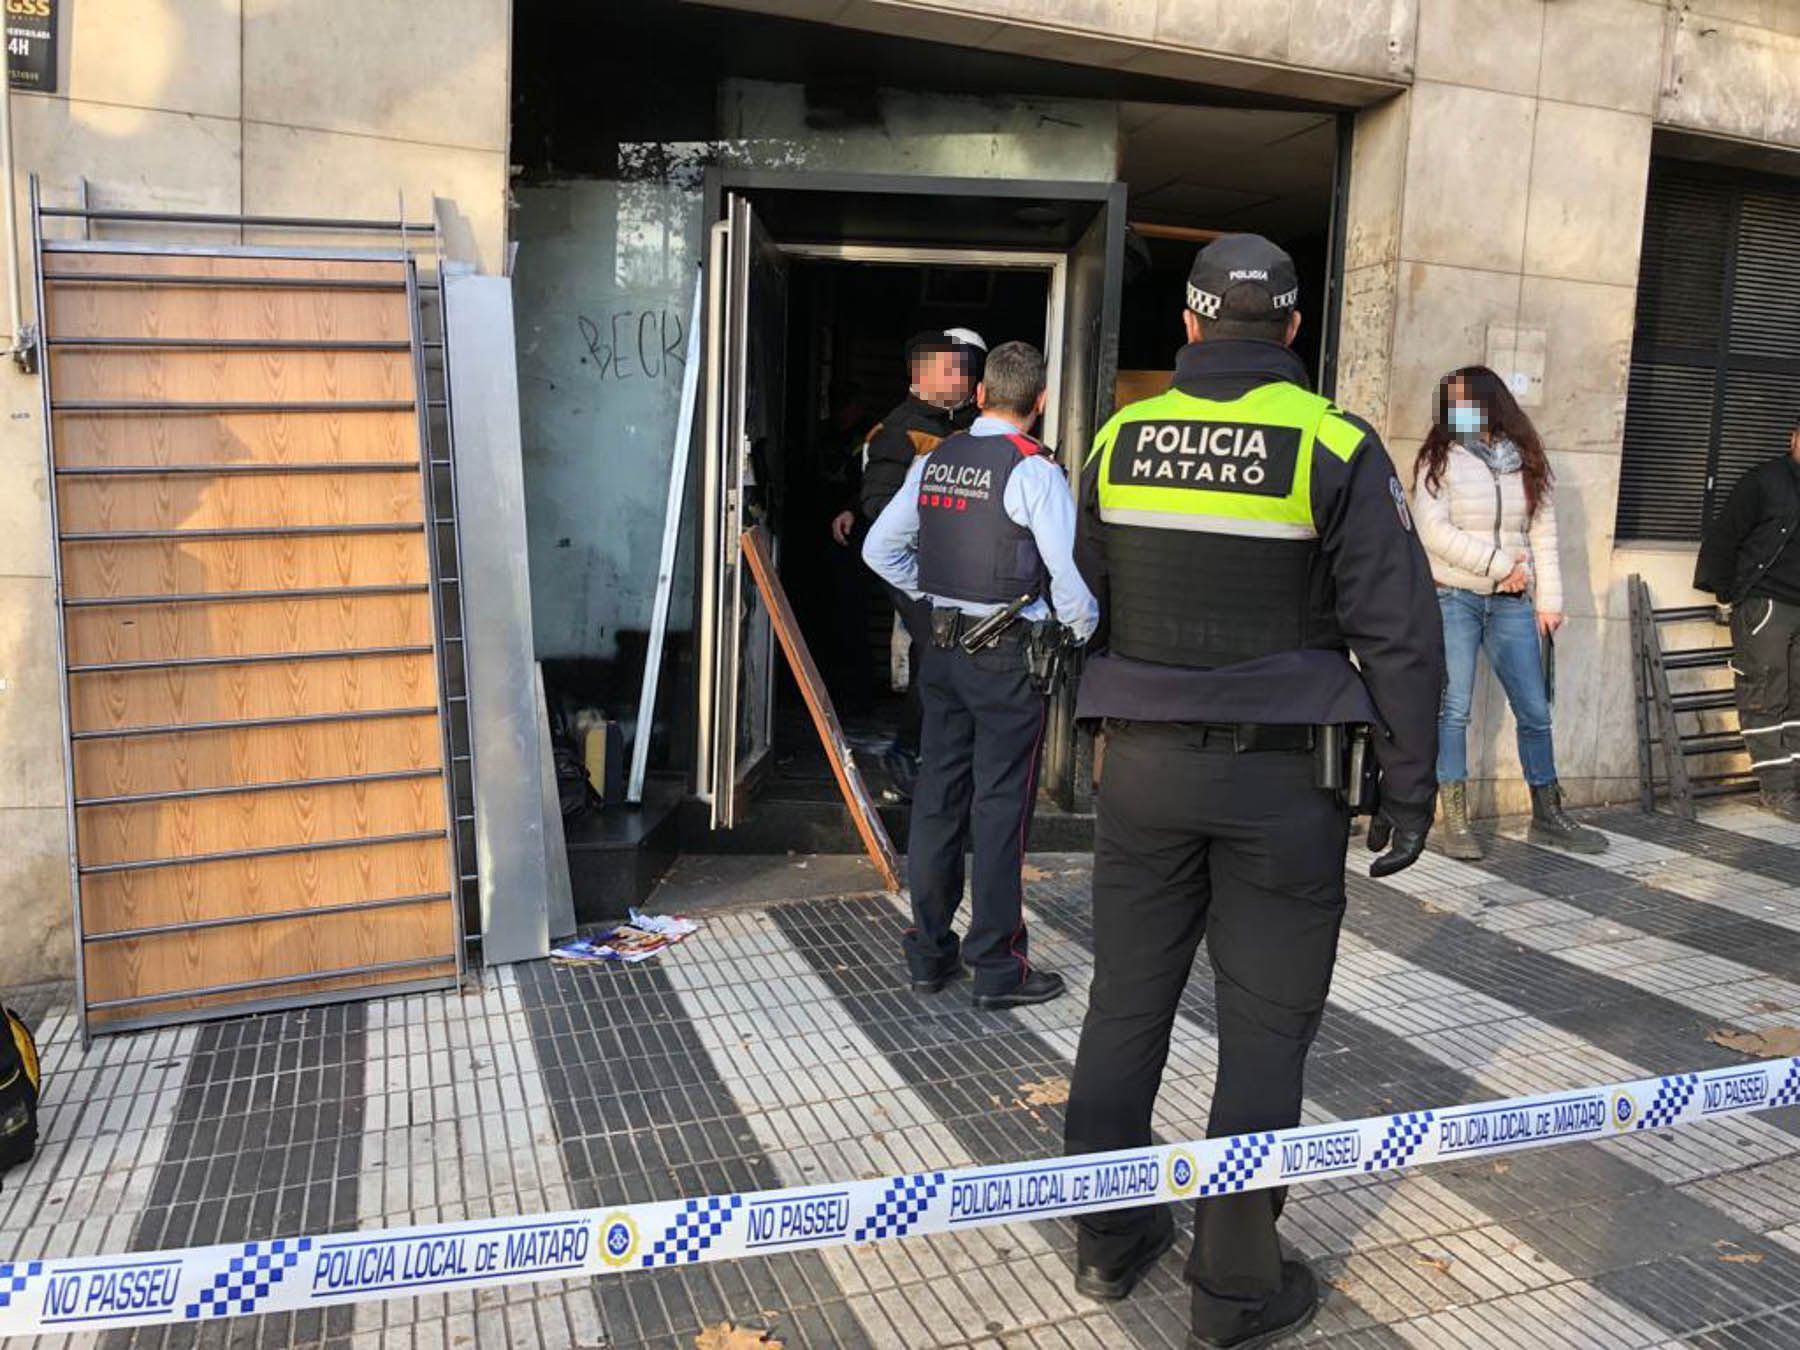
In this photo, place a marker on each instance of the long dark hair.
(1504, 418)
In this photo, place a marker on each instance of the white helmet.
(966, 337)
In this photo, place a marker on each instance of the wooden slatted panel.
(247, 501)
(246, 756)
(164, 632)
(253, 690)
(137, 567)
(107, 440)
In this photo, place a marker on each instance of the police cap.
(1242, 262)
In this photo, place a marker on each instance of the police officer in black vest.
(1245, 537)
(985, 523)
(942, 366)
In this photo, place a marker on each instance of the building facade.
(1484, 173)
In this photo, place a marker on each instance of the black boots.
(1552, 825)
(1109, 1286)
(1287, 1312)
(1458, 840)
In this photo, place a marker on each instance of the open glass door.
(746, 353)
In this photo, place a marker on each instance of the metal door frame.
(1108, 198)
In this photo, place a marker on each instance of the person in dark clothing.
(982, 522)
(1244, 538)
(1748, 560)
(943, 368)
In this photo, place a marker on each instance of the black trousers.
(916, 615)
(1196, 841)
(1766, 637)
(984, 728)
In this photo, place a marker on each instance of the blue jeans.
(1507, 626)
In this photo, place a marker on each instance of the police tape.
(295, 1273)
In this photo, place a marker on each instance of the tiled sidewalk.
(779, 1046)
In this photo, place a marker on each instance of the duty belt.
(1238, 737)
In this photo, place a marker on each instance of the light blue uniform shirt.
(1037, 498)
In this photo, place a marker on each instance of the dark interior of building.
(1195, 161)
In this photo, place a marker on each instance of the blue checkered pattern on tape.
(1672, 1095)
(247, 1280)
(1788, 1094)
(695, 1229)
(13, 1278)
(1243, 1156)
(1404, 1135)
(900, 1207)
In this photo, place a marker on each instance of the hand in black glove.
(1398, 833)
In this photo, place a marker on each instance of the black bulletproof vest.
(969, 548)
(1186, 598)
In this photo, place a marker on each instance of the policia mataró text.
(1244, 537)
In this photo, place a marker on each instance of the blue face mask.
(1466, 419)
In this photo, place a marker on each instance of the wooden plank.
(215, 313)
(818, 702)
(192, 566)
(113, 902)
(221, 265)
(133, 765)
(229, 376)
(279, 818)
(198, 502)
(156, 632)
(107, 700)
(92, 439)
(175, 962)
(344, 989)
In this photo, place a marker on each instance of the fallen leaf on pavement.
(1770, 1043)
(725, 1336)
(1737, 1256)
(1031, 873)
(1440, 1264)
(1767, 1005)
(1044, 1092)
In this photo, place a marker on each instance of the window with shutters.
(1715, 359)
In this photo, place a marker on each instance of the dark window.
(1715, 360)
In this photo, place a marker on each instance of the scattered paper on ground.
(1771, 1043)
(725, 1336)
(1044, 1092)
(638, 940)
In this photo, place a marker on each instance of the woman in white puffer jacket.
(1484, 497)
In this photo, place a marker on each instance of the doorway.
(851, 310)
(816, 283)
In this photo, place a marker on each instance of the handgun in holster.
(1049, 655)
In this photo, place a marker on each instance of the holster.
(945, 623)
(1345, 763)
(1049, 651)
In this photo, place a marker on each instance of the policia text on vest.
(984, 525)
(1244, 537)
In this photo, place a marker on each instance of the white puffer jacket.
(1475, 524)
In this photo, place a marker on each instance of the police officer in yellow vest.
(1244, 538)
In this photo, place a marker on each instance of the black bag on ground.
(19, 1077)
(575, 793)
